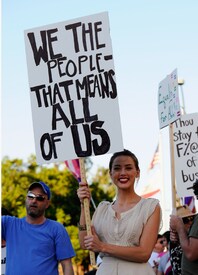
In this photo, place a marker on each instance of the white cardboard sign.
(185, 136)
(73, 89)
(168, 100)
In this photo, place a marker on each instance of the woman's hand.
(83, 191)
(92, 242)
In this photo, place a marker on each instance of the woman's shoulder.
(104, 203)
(149, 205)
(103, 206)
(101, 209)
(150, 201)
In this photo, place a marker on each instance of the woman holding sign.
(124, 232)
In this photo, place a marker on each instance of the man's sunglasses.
(32, 196)
(188, 219)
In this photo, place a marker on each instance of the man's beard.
(35, 212)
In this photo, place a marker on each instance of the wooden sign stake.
(172, 165)
(87, 210)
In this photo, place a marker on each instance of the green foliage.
(81, 255)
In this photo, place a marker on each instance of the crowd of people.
(125, 232)
(166, 258)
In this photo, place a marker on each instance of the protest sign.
(73, 90)
(168, 100)
(185, 136)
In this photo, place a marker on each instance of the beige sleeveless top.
(125, 231)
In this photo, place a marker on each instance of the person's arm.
(191, 252)
(159, 269)
(67, 267)
(139, 253)
(188, 244)
(82, 231)
(83, 192)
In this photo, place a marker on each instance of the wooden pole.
(87, 210)
(172, 165)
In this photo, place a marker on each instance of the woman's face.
(124, 172)
(160, 245)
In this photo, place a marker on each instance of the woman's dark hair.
(124, 153)
(166, 235)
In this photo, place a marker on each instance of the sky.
(149, 39)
